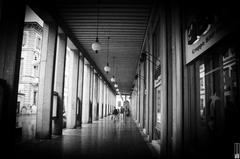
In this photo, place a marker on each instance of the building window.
(24, 42)
(34, 97)
(38, 43)
(21, 67)
(35, 71)
(35, 58)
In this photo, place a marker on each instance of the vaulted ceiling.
(124, 21)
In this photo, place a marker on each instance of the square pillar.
(59, 83)
(91, 95)
(86, 85)
(176, 82)
(95, 97)
(104, 99)
(80, 91)
(44, 110)
(100, 97)
(72, 98)
(107, 102)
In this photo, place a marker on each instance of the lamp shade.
(115, 85)
(107, 69)
(96, 46)
(117, 90)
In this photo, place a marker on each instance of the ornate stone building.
(29, 69)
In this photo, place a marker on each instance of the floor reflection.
(101, 139)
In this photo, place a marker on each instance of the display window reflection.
(218, 91)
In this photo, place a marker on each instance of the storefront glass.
(218, 91)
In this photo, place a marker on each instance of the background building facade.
(29, 69)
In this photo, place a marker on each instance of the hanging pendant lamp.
(107, 68)
(113, 79)
(96, 46)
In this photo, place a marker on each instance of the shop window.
(38, 43)
(218, 91)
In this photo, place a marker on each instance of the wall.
(162, 72)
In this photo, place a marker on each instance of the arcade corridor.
(172, 68)
(101, 139)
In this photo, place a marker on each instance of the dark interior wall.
(10, 52)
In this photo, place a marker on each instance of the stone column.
(107, 102)
(91, 95)
(100, 97)
(86, 84)
(72, 95)
(105, 98)
(95, 96)
(80, 91)
(142, 105)
(59, 82)
(103, 104)
(44, 113)
(176, 82)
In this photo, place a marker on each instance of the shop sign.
(202, 33)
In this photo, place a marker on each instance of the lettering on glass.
(203, 31)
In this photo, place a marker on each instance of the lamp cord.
(108, 49)
(97, 17)
(113, 65)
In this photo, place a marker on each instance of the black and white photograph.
(119, 79)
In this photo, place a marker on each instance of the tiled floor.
(101, 139)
